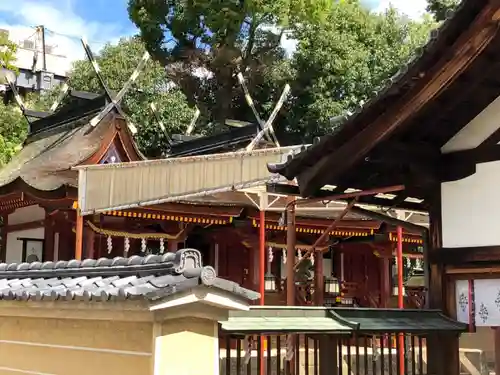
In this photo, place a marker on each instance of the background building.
(41, 65)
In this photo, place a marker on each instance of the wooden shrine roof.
(395, 139)
(227, 141)
(58, 142)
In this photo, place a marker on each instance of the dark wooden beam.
(470, 81)
(190, 209)
(465, 255)
(24, 226)
(461, 164)
(371, 200)
(3, 233)
(492, 140)
(421, 153)
(451, 64)
(390, 220)
(473, 156)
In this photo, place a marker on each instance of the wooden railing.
(299, 354)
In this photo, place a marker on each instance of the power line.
(32, 35)
(73, 37)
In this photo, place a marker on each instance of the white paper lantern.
(110, 244)
(270, 255)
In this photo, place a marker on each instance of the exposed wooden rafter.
(286, 189)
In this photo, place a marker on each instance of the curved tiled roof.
(150, 277)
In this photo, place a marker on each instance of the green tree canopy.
(13, 126)
(439, 8)
(345, 52)
(219, 39)
(13, 131)
(341, 64)
(117, 62)
(7, 52)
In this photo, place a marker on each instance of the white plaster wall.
(20, 216)
(476, 131)
(15, 247)
(471, 208)
(27, 214)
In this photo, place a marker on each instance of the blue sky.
(99, 21)
(103, 20)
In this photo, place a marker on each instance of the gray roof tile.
(150, 277)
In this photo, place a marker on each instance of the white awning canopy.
(144, 183)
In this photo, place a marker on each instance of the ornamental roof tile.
(151, 277)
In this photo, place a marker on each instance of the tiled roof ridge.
(151, 277)
(175, 263)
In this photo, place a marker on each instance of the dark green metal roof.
(299, 319)
(277, 319)
(398, 320)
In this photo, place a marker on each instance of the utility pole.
(41, 32)
(44, 55)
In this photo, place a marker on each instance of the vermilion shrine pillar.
(79, 235)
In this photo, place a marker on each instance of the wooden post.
(290, 253)
(172, 246)
(262, 277)
(3, 245)
(48, 247)
(400, 298)
(385, 281)
(497, 349)
(89, 239)
(319, 279)
(262, 255)
(79, 235)
(328, 355)
(442, 352)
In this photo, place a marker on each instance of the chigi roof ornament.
(115, 100)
